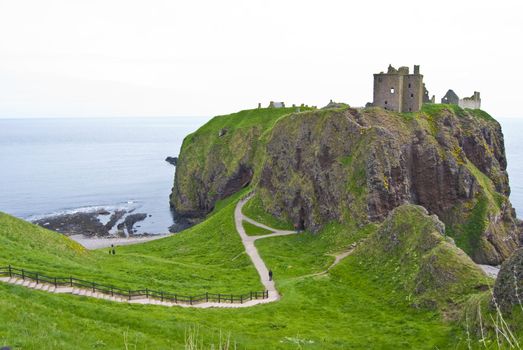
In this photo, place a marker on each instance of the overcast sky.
(185, 58)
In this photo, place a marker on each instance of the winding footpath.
(250, 249)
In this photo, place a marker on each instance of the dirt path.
(101, 242)
(250, 249)
(337, 259)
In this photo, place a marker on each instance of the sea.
(53, 166)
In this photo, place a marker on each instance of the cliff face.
(219, 159)
(345, 164)
(508, 290)
(410, 252)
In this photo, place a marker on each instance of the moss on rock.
(340, 164)
(411, 253)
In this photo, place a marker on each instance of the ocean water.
(59, 165)
(53, 166)
(512, 132)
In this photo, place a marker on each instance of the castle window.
(411, 95)
(410, 109)
(385, 102)
(409, 85)
(392, 90)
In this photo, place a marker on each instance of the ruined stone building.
(473, 102)
(399, 91)
(450, 98)
(273, 104)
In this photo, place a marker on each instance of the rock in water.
(86, 224)
(317, 166)
(172, 160)
(131, 220)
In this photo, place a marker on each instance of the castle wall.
(412, 93)
(469, 103)
(388, 89)
(450, 98)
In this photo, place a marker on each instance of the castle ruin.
(399, 91)
(472, 102)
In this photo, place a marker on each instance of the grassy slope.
(345, 310)
(254, 210)
(196, 261)
(482, 320)
(412, 258)
(253, 230)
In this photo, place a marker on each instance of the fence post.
(251, 296)
(71, 280)
(219, 297)
(175, 299)
(93, 288)
(161, 296)
(129, 294)
(36, 278)
(55, 284)
(147, 293)
(23, 275)
(232, 298)
(241, 299)
(207, 297)
(112, 292)
(10, 272)
(190, 300)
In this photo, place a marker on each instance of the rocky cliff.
(341, 164)
(220, 158)
(410, 253)
(508, 290)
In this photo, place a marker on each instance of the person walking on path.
(270, 275)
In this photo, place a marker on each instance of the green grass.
(350, 308)
(482, 321)
(254, 209)
(468, 235)
(253, 230)
(435, 109)
(478, 113)
(183, 263)
(411, 258)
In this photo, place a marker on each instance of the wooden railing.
(72, 282)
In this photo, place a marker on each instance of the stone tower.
(399, 91)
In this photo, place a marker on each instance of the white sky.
(183, 58)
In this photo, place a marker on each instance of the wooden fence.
(72, 282)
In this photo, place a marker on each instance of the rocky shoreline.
(97, 223)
